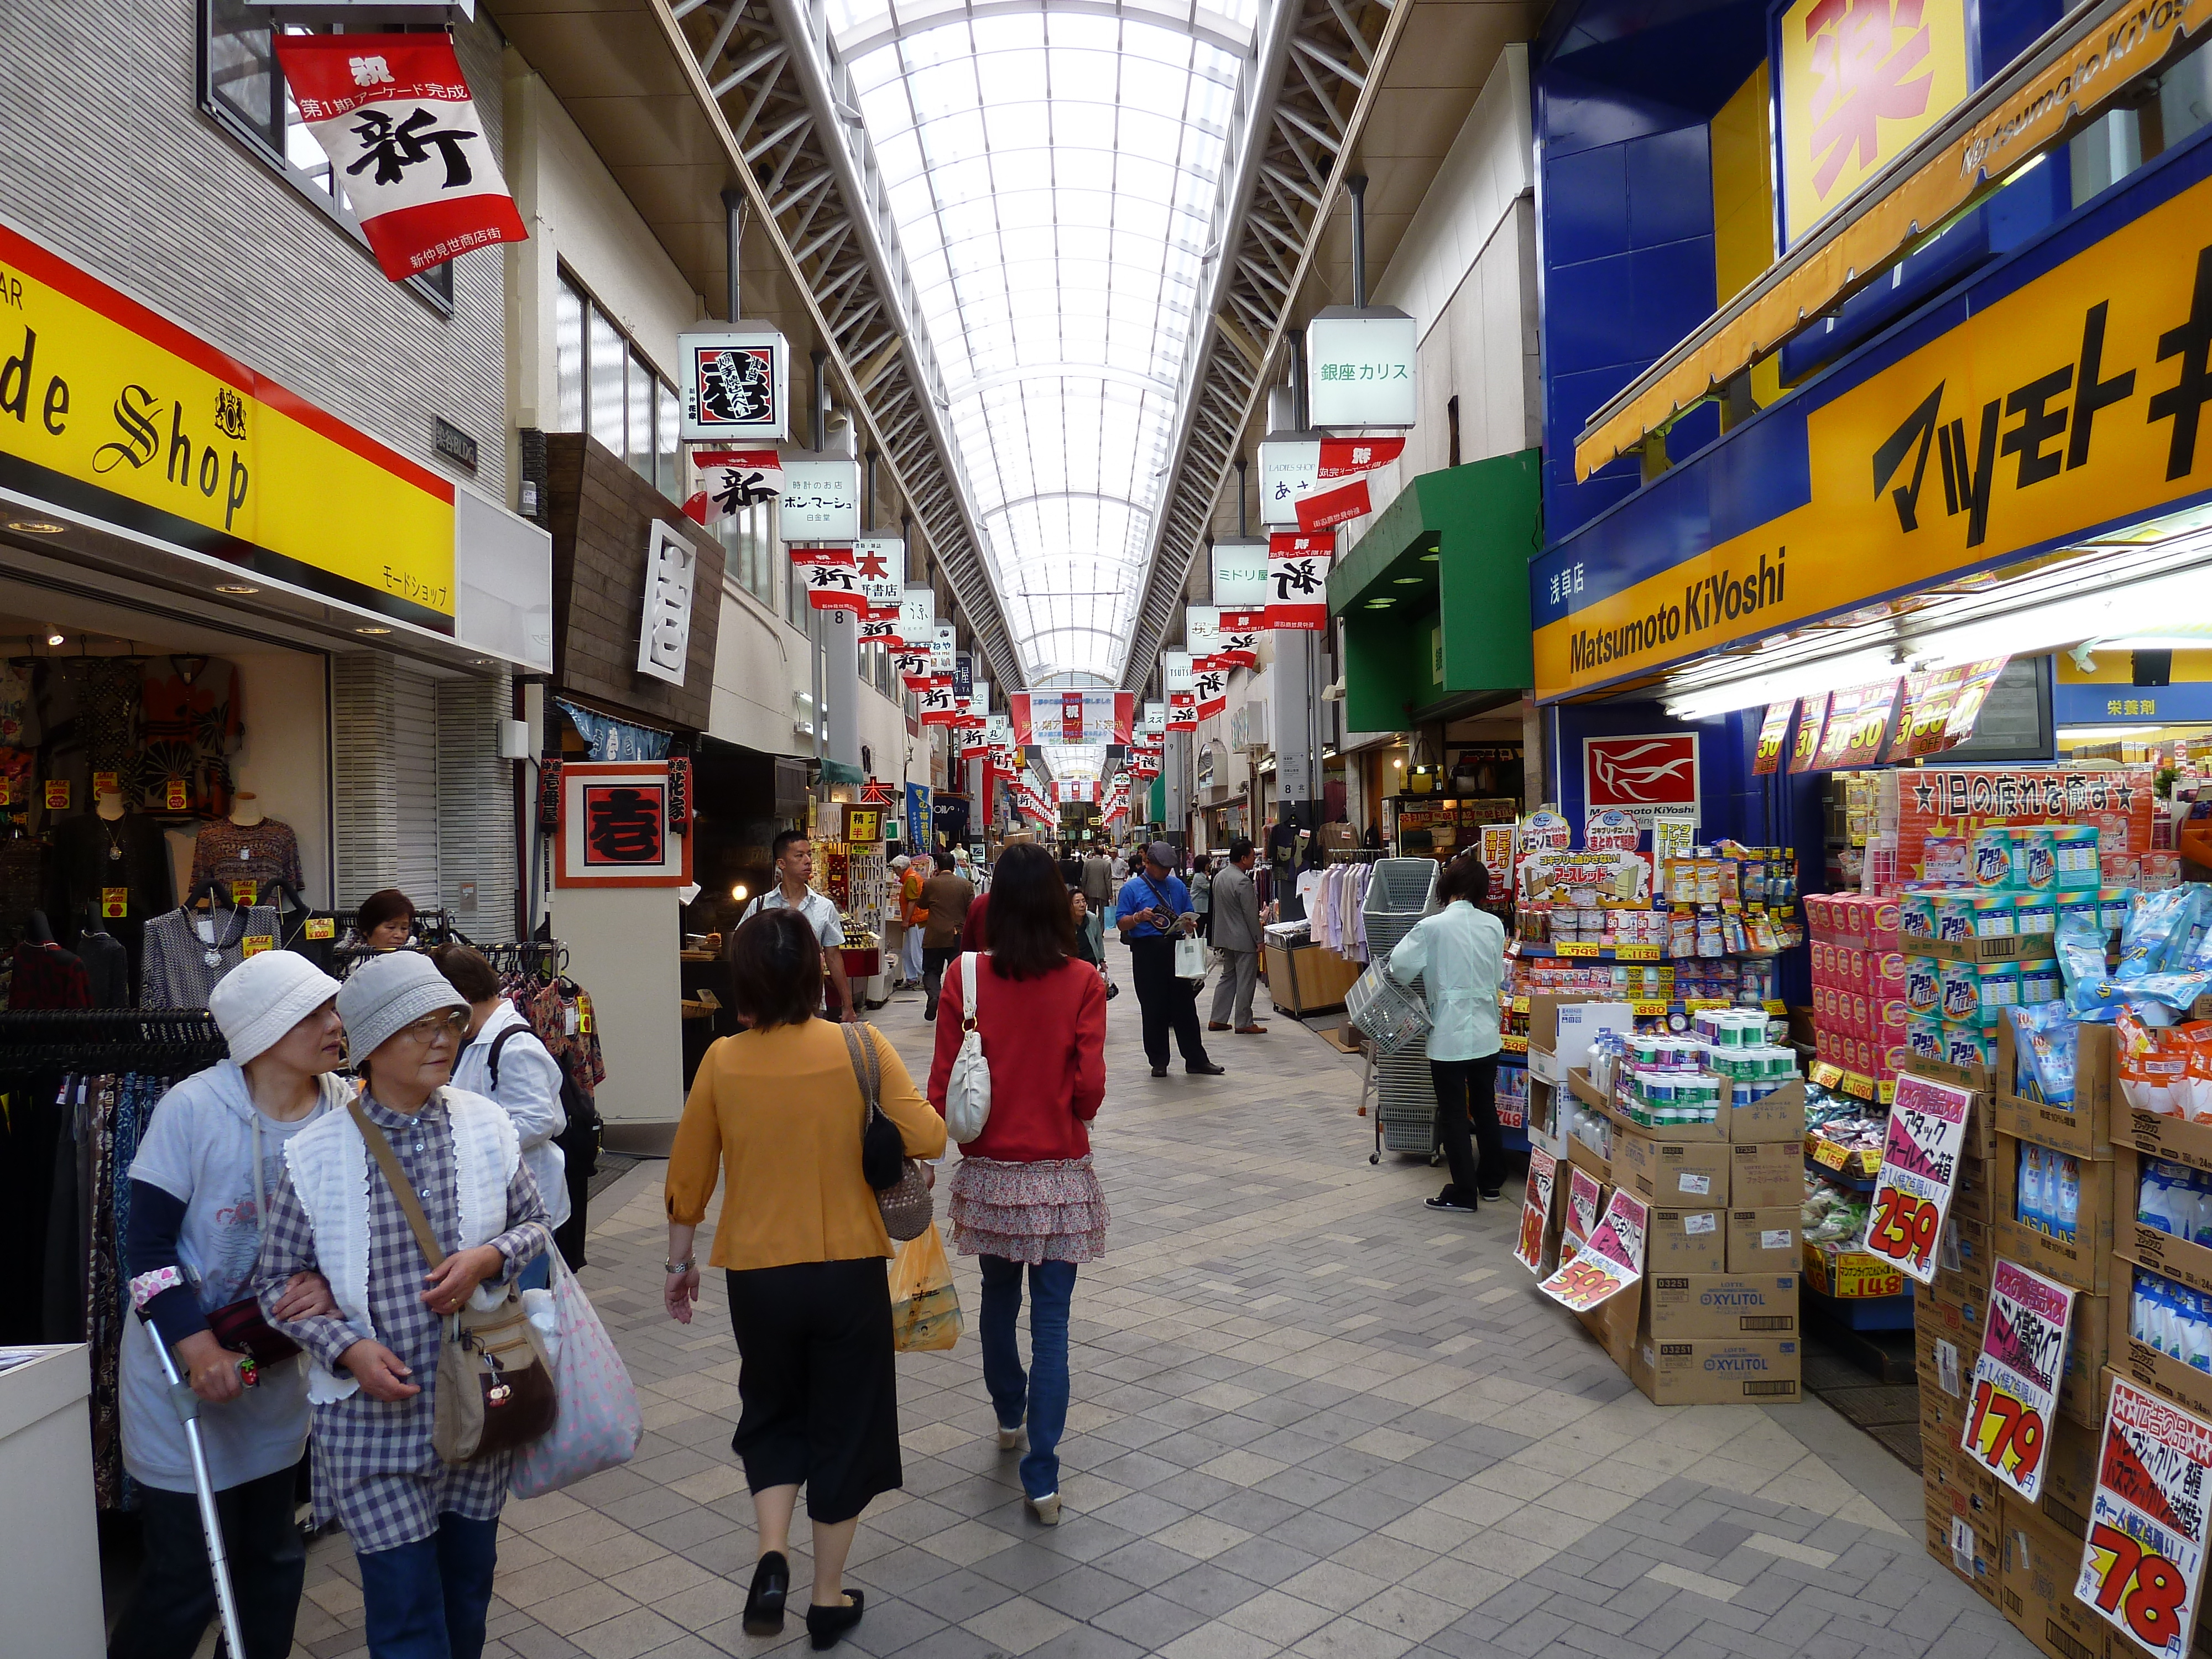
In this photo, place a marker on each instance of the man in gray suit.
(1236, 936)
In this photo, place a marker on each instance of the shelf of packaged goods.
(1856, 1183)
(1514, 1045)
(1842, 1163)
(1589, 953)
(1858, 1085)
(1773, 1006)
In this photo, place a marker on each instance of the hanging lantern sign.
(1201, 631)
(737, 386)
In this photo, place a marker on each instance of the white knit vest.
(329, 1162)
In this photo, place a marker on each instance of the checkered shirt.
(375, 1470)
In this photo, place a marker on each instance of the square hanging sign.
(617, 829)
(1360, 367)
(736, 385)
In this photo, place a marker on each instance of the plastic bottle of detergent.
(2197, 1332)
(2031, 1208)
(2067, 1205)
(2139, 1309)
(2200, 1195)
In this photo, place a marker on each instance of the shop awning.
(835, 772)
(2054, 89)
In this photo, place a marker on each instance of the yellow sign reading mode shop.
(109, 409)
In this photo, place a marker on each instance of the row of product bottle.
(2172, 1318)
(2049, 1186)
(2176, 1200)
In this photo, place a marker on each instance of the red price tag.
(2146, 1590)
(2006, 1433)
(1904, 1228)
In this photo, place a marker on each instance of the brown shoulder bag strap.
(862, 1048)
(396, 1178)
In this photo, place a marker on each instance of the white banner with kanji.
(1182, 711)
(1298, 580)
(732, 480)
(1071, 716)
(1211, 687)
(394, 114)
(832, 583)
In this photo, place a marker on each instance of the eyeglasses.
(453, 1023)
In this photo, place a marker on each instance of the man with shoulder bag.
(1155, 917)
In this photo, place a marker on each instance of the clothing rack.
(1353, 854)
(106, 1039)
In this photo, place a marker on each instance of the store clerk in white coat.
(504, 1061)
(1458, 955)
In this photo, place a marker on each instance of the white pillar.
(1296, 760)
(840, 684)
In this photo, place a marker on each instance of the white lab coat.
(1459, 955)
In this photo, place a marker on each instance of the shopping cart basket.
(1393, 1017)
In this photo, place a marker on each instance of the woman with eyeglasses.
(425, 1532)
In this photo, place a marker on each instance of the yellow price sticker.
(1578, 949)
(1635, 953)
(58, 794)
(256, 943)
(114, 901)
(245, 890)
(322, 927)
(175, 796)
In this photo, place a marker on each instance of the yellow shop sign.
(2075, 402)
(109, 409)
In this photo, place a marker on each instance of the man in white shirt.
(794, 870)
(1459, 955)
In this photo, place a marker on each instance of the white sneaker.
(1046, 1509)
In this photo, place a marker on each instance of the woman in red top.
(1023, 1195)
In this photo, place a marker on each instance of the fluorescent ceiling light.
(2184, 597)
(2088, 733)
(1804, 680)
(2158, 643)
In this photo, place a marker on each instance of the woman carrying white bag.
(1020, 1074)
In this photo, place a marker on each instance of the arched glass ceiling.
(1052, 167)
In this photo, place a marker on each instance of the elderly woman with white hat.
(424, 1532)
(203, 1172)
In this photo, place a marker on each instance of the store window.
(747, 538)
(605, 386)
(2167, 110)
(242, 87)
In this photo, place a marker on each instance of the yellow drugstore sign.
(110, 410)
(1860, 80)
(2075, 402)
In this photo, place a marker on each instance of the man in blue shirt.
(1153, 908)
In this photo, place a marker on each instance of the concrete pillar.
(840, 684)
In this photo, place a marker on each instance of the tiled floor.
(1309, 1417)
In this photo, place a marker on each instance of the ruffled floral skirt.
(1051, 1211)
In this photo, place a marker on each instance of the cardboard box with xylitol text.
(1689, 1307)
(1745, 1371)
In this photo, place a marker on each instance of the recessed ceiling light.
(372, 630)
(1407, 581)
(37, 526)
(236, 587)
(1428, 558)
(1380, 604)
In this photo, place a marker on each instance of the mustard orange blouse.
(779, 1111)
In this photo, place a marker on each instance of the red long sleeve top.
(1046, 1043)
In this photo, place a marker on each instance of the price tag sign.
(322, 927)
(175, 796)
(106, 783)
(1578, 948)
(1636, 953)
(2015, 1395)
(1581, 1213)
(2143, 1564)
(1919, 1169)
(1611, 1262)
(114, 901)
(1536, 1209)
(256, 943)
(58, 794)
(7, 792)
(245, 890)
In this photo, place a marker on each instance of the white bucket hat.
(257, 1002)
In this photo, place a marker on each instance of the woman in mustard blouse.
(779, 1108)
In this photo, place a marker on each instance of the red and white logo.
(1641, 776)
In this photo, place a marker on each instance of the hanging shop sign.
(1155, 719)
(1298, 580)
(1201, 632)
(944, 646)
(1239, 646)
(737, 386)
(1182, 711)
(1240, 572)
(1290, 470)
(1642, 775)
(880, 622)
(1209, 687)
(939, 707)
(1856, 86)
(394, 113)
(1360, 367)
(732, 480)
(2058, 406)
(882, 558)
(917, 620)
(1175, 671)
(913, 669)
(1857, 725)
(2013, 1407)
(1070, 717)
(2142, 1564)
(664, 633)
(831, 582)
(620, 826)
(1311, 483)
(821, 498)
(964, 675)
(109, 409)
(1919, 1171)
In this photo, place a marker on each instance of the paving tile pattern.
(1309, 1417)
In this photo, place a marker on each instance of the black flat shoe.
(1207, 1069)
(828, 1625)
(765, 1601)
(1159, 1071)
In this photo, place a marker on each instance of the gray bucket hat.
(389, 993)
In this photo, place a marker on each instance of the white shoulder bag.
(967, 1090)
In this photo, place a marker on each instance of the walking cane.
(186, 1404)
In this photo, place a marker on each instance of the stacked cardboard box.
(1716, 1318)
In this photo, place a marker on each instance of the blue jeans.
(1052, 1286)
(427, 1600)
(537, 1275)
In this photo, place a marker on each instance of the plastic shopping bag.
(925, 1310)
(598, 1425)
